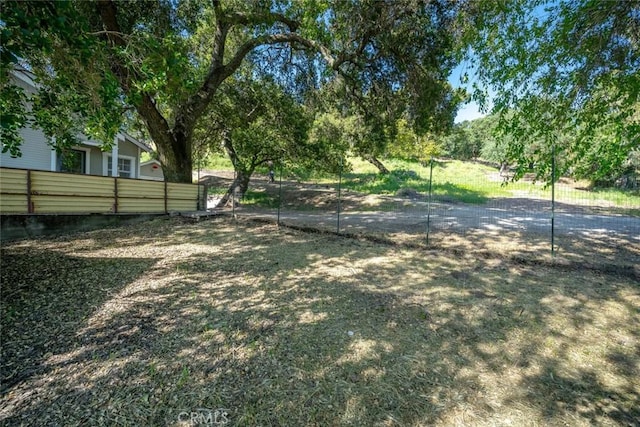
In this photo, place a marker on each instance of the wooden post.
(166, 198)
(29, 201)
(205, 196)
(115, 195)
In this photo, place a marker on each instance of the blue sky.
(471, 110)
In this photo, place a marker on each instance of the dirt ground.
(240, 322)
(591, 235)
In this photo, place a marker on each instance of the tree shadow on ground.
(45, 295)
(256, 321)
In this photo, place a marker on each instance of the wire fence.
(433, 206)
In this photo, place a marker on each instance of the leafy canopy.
(569, 68)
(167, 60)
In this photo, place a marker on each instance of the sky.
(471, 110)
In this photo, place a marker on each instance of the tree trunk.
(378, 164)
(177, 164)
(240, 184)
(174, 146)
(239, 187)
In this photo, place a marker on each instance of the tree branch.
(198, 102)
(262, 18)
(271, 39)
(156, 123)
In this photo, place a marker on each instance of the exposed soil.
(245, 323)
(597, 235)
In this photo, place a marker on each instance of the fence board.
(13, 181)
(140, 205)
(140, 189)
(54, 183)
(182, 191)
(71, 204)
(53, 192)
(13, 203)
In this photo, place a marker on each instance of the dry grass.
(453, 226)
(145, 325)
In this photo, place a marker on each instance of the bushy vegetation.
(482, 139)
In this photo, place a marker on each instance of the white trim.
(116, 173)
(114, 155)
(92, 143)
(126, 137)
(105, 171)
(87, 159)
(54, 156)
(138, 163)
(54, 161)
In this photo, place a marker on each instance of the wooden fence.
(38, 192)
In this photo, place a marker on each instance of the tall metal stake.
(233, 196)
(429, 199)
(280, 194)
(339, 196)
(553, 198)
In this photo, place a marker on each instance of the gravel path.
(460, 218)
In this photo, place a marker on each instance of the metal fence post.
(233, 195)
(553, 198)
(339, 196)
(280, 194)
(429, 199)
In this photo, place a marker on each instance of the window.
(72, 161)
(124, 167)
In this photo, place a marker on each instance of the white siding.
(36, 153)
(147, 172)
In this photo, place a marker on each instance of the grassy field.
(471, 182)
(458, 181)
(167, 321)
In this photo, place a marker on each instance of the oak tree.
(565, 78)
(169, 59)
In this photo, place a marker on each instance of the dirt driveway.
(502, 224)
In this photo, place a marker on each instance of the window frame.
(109, 158)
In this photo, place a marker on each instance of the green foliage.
(330, 136)
(171, 61)
(468, 140)
(12, 119)
(75, 91)
(408, 145)
(565, 74)
(256, 124)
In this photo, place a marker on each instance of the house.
(152, 170)
(86, 158)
